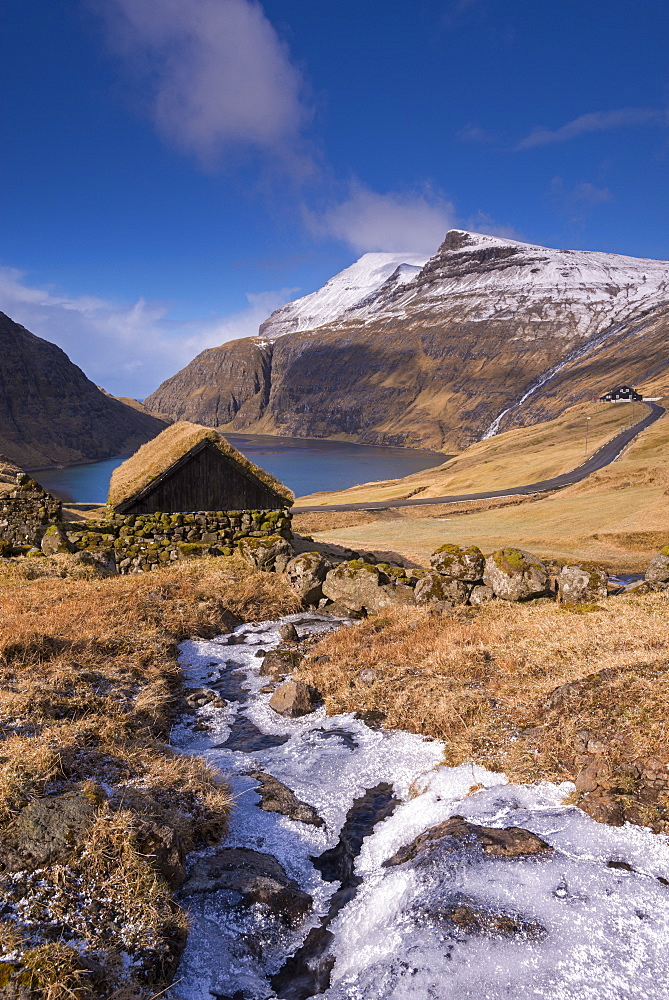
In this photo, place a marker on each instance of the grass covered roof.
(159, 454)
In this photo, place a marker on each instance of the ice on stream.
(607, 928)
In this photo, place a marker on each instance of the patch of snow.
(606, 929)
(342, 292)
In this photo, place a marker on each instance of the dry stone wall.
(140, 542)
(26, 512)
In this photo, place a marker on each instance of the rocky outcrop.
(507, 842)
(515, 575)
(294, 699)
(657, 574)
(582, 584)
(459, 562)
(51, 414)
(442, 357)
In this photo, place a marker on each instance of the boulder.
(54, 540)
(277, 797)
(268, 553)
(582, 584)
(305, 574)
(435, 587)
(357, 584)
(480, 594)
(293, 699)
(50, 827)
(254, 878)
(459, 562)
(279, 662)
(354, 584)
(101, 562)
(515, 575)
(288, 632)
(507, 842)
(470, 918)
(658, 570)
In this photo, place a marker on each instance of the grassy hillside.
(519, 456)
(618, 516)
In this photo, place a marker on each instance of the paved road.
(604, 456)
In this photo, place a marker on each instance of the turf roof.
(161, 452)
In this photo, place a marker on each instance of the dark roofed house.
(192, 468)
(621, 393)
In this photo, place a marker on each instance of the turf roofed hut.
(189, 468)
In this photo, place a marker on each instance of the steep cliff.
(51, 414)
(490, 333)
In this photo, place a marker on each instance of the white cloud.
(596, 121)
(219, 75)
(393, 222)
(127, 349)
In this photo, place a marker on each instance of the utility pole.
(587, 427)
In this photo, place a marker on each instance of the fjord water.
(303, 464)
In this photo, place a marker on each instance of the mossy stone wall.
(143, 541)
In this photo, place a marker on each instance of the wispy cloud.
(578, 201)
(476, 134)
(394, 222)
(595, 121)
(216, 74)
(127, 348)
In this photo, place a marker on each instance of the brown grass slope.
(618, 516)
(89, 689)
(480, 680)
(162, 452)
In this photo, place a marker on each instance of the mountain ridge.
(489, 333)
(52, 414)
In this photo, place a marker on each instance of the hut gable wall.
(203, 479)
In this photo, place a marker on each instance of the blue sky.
(172, 170)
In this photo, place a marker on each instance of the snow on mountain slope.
(501, 279)
(346, 290)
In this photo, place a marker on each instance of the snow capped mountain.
(495, 279)
(488, 333)
(348, 289)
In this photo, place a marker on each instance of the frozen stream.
(591, 918)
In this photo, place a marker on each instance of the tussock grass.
(479, 679)
(89, 689)
(167, 448)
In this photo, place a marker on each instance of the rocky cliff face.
(489, 333)
(51, 414)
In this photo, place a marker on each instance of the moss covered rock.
(54, 540)
(436, 587)
(459, 562)
(271, 552)
(657, 573)
(305, 574)
(515, 575)
(582, 583)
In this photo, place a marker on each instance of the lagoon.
(305, 465)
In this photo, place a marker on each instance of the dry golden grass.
(479, 680)
(89, 688)
(167, 448)
(617, 516)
